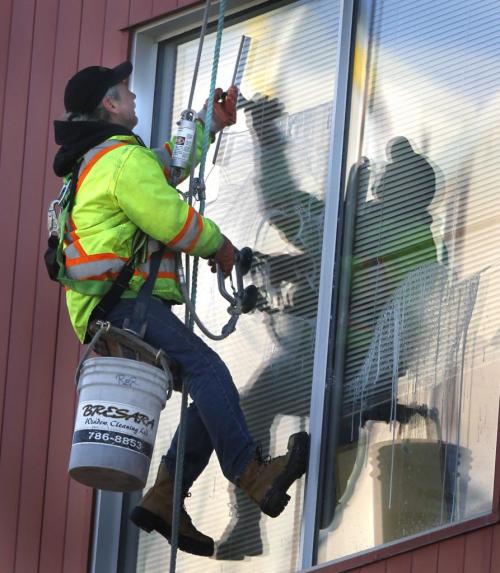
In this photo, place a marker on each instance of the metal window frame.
(114, 542)
(334, 185)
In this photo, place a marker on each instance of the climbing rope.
(200, 186)
(204, 150)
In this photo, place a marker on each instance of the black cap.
(86, 88)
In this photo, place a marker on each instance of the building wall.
(474, 552)
(46, 517)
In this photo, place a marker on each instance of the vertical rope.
(210, 104)
(204, 150)
(184, 404)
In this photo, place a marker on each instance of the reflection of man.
(392, 238)
(289, 282)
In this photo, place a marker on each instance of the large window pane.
(416, 339)
(267, 192)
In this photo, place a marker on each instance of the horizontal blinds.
(428, 140)
(423, 309)
(267, 192)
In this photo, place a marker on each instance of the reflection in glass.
(412, 447)
(288, 284)
(267, 192)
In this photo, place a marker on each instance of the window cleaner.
(124, 356)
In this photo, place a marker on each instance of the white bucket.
(117, 417)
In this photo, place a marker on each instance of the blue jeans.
(215, 420)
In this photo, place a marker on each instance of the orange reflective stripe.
(102, 277)
(93, 161)
(71, 224)
(195, 240)
(159, 275)
(183, 231)
(93, 258)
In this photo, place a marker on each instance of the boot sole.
(276, 498)
(148, 521)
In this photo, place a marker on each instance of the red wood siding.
(474, 552)
(46, 518)
(144, 10)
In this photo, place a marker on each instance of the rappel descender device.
(241, 301)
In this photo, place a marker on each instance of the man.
(123, 188)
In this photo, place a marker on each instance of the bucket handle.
(103, 327)
(160, 357)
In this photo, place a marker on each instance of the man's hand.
(224, 111)
(262, 112)
(224, 257)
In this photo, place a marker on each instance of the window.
(414, 352)
(266, 191)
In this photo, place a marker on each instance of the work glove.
(224, 112)
(224, 257)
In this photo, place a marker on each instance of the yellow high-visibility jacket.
(123, 187)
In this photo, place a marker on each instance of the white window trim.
(145, 51)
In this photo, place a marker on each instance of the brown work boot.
(266, 482)
(154, 512)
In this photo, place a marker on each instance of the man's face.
(123, 109)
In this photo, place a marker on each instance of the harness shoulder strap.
(93, 287)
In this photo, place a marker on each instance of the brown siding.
(46, 518)
(474, 552)
(144, 10)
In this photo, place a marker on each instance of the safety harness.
(57, 222)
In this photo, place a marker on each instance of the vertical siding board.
(57, 481)
(13, 404)
(11, 168)
(92, 33)
(78, 538)
(478, 551)
(162, 7)
(39, 376)
(399, 564)
(140, 11)
(425, 560)
(495, 550)
(64, 349)
(451, 555)
(65, 65)
(116, 41)
(5, 16)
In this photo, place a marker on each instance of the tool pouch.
(50, 258)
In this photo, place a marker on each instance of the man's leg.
(216, 409)
(215, 420)
(216, 417)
